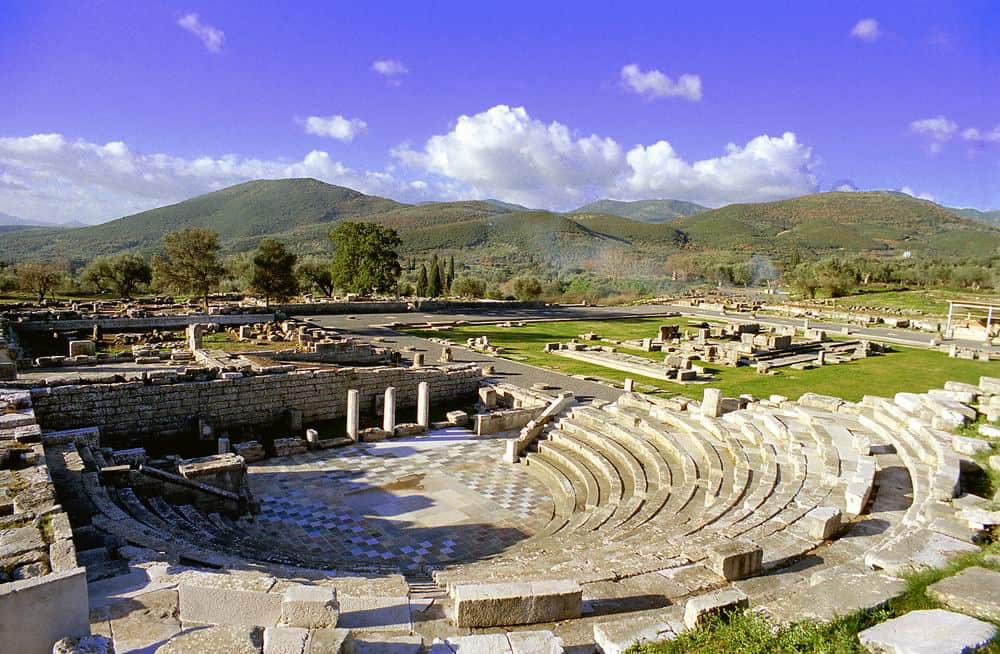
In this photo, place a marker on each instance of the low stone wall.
(141, 324)
(132, 408)
(35, 613)
(397, 306)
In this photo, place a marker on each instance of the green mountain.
(988, 217)
(874, 221)
(647, 211)
(301, 213)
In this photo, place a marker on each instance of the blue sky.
(113, 107)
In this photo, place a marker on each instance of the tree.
(273, 272)
(191, 262)
(421, 289)
(314, 272)
(527, 287)
(120, 273)
(803, 280)
(365, 259)
(450, 272)
(434, 278)
(468, 287)
(39, 277)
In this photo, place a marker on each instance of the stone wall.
(35, 613)
(399, 306)
(133, 408)
(141, 324)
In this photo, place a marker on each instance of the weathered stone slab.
(228, 599)
(920, 549)
(974, 590)
(534, 642)
(718, 601)
(221, 639)
(617, 636)
(368, 644)
(327, 641)
(374, 612)
(285, 640)
(969, 446)
(835, 596)
(515, 603)
(928, 632)
(311, 607)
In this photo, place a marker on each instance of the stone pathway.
(417, 502)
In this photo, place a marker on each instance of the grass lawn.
(904, 369)
(930, 301)
(749, 633)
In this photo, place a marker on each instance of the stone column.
(389, 410)
(223, 445)
(424, 405)
(821, 357)
(353, 413)
(446, 355)
(629, 385)
(194, 333)
(418, 359)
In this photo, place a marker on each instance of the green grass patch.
(932, 302)
(903, 369)
(750, 633)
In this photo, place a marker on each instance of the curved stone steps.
(609, 480)
(588, 494)
(629, 468)
(560, 488)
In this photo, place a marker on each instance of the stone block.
(285, 640)
(716, 602)
(969, 446)
(221, 638)
(735, 559)
(823, 522)
(327, 641)
(228, 599)
(312, 607)
(933, 631)
(84, 645)
(618, 636)
(383, 644)
(515, 603)
(458, 418)
(86, 348)
(975, 591)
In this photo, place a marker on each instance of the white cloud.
(212, 37)
(390, 68)
(866, 29)
(335, 127)
(503, 152)
(977, 136)
(654, 84)
(938, 129)
(766, 168)
(920, 196)
(61, 179)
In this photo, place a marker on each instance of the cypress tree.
(434, 278)
(451, 270)
(422, 281)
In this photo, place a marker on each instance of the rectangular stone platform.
(516, 603)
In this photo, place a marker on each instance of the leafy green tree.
(313, 272)
(120, 273)
(365, 259)
(434, 278)
(803, 280)
(39, 277)
(273, 273)
(191, 262)
(468, 287)
(527, 287)
(421, 289)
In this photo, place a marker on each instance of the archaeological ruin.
(246, 482)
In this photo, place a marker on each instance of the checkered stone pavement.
(414, 503)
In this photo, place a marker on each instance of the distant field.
(904, 369)
(931, 302)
